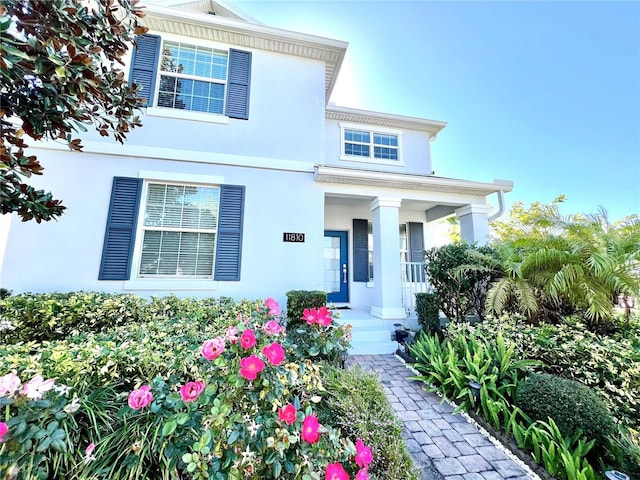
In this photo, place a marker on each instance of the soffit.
(239, 33)
(403, 181)
(345, 114)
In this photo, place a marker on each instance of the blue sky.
(543, 93)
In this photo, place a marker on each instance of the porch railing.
(414, 280)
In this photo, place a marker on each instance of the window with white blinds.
(179, 231)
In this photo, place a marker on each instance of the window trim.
(370, 159)
(155, 110)
(162, 282)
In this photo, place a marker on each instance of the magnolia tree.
(59, 74)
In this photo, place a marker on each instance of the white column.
(387, 290)
(474, 223)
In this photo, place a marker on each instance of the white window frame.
(169, 112)
(173, 283)
(370, 159)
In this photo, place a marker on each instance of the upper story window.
(196, 81)
(375, 146)
(192, 78)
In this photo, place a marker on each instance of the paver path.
(443, 445)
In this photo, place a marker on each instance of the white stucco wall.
(286, 115)
(65, 255)
(416, 151)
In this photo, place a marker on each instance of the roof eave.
(237, 32)
(339, 175)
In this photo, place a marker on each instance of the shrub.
(172, 438)
(573, 407)
(609, 364)
(298, 300)
(50, 316)
(461, 274)
(357, 404)
(428, 311)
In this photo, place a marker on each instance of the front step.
(371, 340)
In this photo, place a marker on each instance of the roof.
(347, 114)
(192, 19)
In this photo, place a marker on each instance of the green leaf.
(169, 427)
(233, 437)
(182, 418)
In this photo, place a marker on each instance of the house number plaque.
(293, 237)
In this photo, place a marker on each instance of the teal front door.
(336, 278)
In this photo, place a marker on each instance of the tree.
(461, 274)
(583, 261)
(59, 73)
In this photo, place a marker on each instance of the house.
(244, 181)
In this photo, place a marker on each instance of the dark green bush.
(461, 274)
(428, 311)
(298, 300)
(4, 293)
(358, 406)
(572, 405)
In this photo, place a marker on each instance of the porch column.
(474, 223)
(387, 290)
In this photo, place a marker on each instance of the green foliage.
(553, 261)
(356, 403)
(461, 274)
(450, 365)
(38, 425)
(172, 438)
(329, 344)
(625, 446)
(563, 456)
(55, 80)
(574, 408)
(4, 293)
(428, 311)
(609, 364)
(49, 316)
(298, 300)
(52, 316)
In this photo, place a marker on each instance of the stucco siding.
(65, 255)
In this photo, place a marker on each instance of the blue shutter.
(416, 246)
(144, 65)
(120, 232)
(360, 250)
(229, 242)
(238, 84)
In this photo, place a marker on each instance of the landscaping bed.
(184, 388)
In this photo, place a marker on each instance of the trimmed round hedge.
(570, 404)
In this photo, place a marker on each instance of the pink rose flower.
(247, 339)
(37, 387)
(140, 397)
(335, 471)
(363, 454)
(274, 353)
(250, 367)
(272, 328)
(191, 390)
(310, 429)
(212, 349)
(232, 334)
(324, 317)
(9, 384)
(3, 430)
(310, 315)
(272, 305)
(89, 450)
(287, 414)
(361, 475)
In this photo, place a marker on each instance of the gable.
(219, 8)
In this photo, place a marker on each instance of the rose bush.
(251, 415)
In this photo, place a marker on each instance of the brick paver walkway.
(442, 445)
